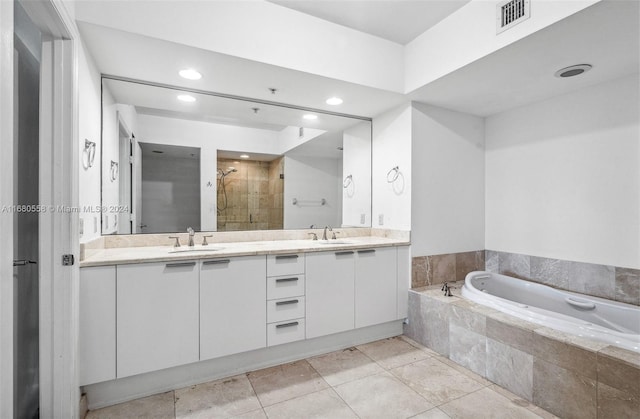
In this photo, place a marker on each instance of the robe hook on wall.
(392, 175)
(347, 181)
(114, 171)
(88, 154)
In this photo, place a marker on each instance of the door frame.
(58, 235)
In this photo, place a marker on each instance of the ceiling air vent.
(510, 13)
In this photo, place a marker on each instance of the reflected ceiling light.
(186, 98)
(244, 156)
(334, 101)
(572, 71)
(310, 116)
(190, 74)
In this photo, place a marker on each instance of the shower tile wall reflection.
(254, 195)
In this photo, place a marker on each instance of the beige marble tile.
(468, 349)
(468, 262)
(463, 370)
(486, 404)
(223, 398)
(159, 406)
(320, 405)
(511, 331)
(627, 283)
(256, 414)
(342, 366)
(418, 345)
(563, 392)
(510, 368)
(284, 382)
(614, 403)
(620, 369)
(522, 402)
(552, 346)
(434, 413)
(515, 265)
(443, 268)
(437, 382)
(392, 352)
(382, 396)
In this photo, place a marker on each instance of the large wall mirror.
(173, 159)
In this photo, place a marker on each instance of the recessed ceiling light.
(190, 74)
(310, 116)
(573, 70)
(334, 101)
(244, 156)
(186, 98)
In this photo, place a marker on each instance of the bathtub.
(604, 320)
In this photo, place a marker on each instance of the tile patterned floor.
(390, 378)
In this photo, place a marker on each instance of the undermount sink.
(333, 242)
(194, 249)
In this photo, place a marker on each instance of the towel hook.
(395, 175)
(88, 153)
(114, 171)
(347, 181)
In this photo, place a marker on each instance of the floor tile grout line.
(246, 374)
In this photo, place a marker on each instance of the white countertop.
(127, 255)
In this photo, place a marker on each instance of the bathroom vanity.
(151, 314)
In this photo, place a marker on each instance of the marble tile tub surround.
(153, 240)
(569, 376)
(438, 269)
(612, 282)
(389, 378)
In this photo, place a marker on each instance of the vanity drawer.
(285, 286)
(285, 332)
(285, 309)
(285, 264)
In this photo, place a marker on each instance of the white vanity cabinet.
(157, 316)
(97, 325)
(330, 294)
(375, 286)
(233, 311)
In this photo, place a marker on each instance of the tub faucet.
(447, 290)
(191, 234)
(324, 234)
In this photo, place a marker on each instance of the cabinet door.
(157, 308)
(233, 314)
(97, 325)
(376, 286)
(330, 292)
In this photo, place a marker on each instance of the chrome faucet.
(324, 234)
(447, 290)
(191, 234)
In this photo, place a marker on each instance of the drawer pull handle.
(286, 279)
(344, 253)
(280, 326)
(217, 262)
(280, 257)
(179, 264)
(283, 303)
(367, 251)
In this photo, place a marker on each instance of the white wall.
(309, 179)
(447, 202)
(469, 34)
(89, 102)
(392, 147)
(259, 31)
(563, 176)
(356, 161)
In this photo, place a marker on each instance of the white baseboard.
(121, 390)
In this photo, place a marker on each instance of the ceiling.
(399, 21)
(605, 35)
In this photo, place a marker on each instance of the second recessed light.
(186, 98)
(190, 74)
(310, 116)
(334, 101)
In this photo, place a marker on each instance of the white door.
(330, 292)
